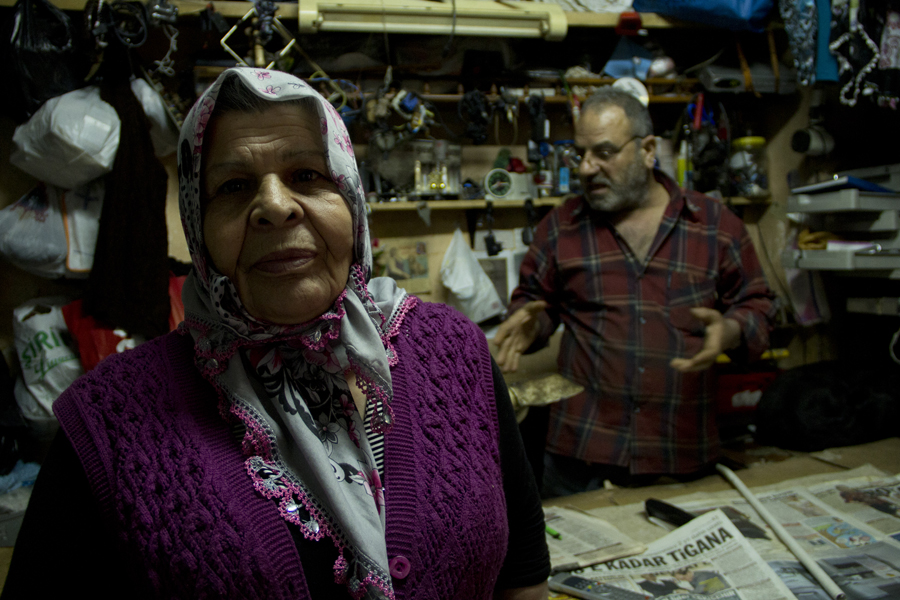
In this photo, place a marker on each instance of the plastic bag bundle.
(471, 291)
(49, 363)
(71, 140)
(162, 130)
(32, 234)
(41, 60)
(51, 232)
(81, 210)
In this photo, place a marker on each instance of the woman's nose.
(274, 204)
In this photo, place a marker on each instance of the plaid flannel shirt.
(624, 321)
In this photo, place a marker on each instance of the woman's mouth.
(284, 261)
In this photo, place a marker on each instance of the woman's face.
(274, 221)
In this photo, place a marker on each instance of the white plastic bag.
(49, 363)
(81, 219)
(471, 290)
(32, 234)
(51, 232)
(71, 140)
(162, 130)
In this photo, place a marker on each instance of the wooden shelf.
(676, 97)
(480, 204)
(681, 88)
(459, 204)
(648, 20)
(660, 89)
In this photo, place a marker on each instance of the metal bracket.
(276, 23)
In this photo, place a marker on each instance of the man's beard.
(628, 193)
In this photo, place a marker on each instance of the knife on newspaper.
(667, 512)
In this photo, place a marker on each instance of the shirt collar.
(679, 200)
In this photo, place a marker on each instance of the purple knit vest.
(169, 476)
(444, 445)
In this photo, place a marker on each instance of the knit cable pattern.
(168, 474)
(444, 445)
(166, 470)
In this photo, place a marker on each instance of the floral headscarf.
(305, 443)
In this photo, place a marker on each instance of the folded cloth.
(23, 474)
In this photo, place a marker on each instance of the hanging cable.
(340, 83)
(387, 47)
(95, 26)
(507, 104)
(535, 104)
(475, 110)
(319, 72)
(449, 44)
(166, 65)
(537, 144)
(128, 21)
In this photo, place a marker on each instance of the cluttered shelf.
(674, 98)
(457, 204)
(852, 227)
(470, 204)
(659, 89)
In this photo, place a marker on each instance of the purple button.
(399, 566)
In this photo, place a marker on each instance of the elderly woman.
(307, 432)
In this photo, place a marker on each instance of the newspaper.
(855, 549)
(578, 539)
(706, 559)
(873, 500)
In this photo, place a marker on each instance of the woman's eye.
(305, 175)
(234, 186)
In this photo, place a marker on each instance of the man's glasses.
(606, 152)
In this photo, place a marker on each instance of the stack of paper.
(577, 539)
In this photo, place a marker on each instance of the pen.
(552, 532)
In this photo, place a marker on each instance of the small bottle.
(566, 165)
(682, 164)
(749, 175)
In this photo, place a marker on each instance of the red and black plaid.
(625, 320)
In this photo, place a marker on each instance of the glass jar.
(748, 167)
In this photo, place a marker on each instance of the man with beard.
(651, 283)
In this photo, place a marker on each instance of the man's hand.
(517, 333)
(721, 334)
